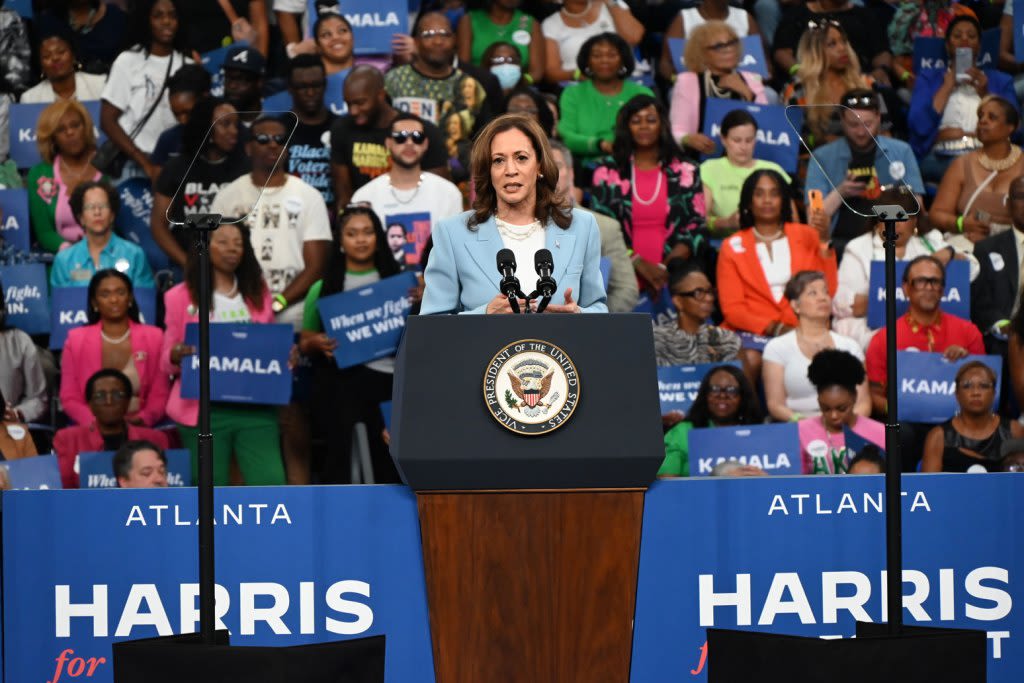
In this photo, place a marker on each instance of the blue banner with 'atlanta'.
(248, 363)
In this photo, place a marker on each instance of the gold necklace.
(998, 165)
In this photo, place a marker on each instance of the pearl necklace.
(577, 15)
(508, 230)
(999, 165)
(230, 294)
(768, 238)
(657, 187)
(118, 340)
(416, 191)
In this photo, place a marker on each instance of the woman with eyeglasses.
(108, 393)
(691, 338)
(971, 440)
(690, 18)
(838, 378)
(712, 58)
(62, 78)
(567, 31)
(589, 109)
(502, 21)
(248, 433)
(654, 191)
(789, 394)
(725, 399)
(114, 338)
(971, 202)
(756, 264)
(94, 205)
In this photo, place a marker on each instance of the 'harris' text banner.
(415, 231)
(956, 299)
(35, 472)
(248, 363)
(775, 139)
(930, 53)
(927, 391)
(374, 21)
(96, 469)
(25, 293)
(24, 118)
(68, 306)
(14, 224)
(775, 448)
(678, 384)
(367, 322)
(752, 58)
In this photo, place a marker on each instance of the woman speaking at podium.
(516, 208)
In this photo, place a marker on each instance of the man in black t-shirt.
(358, 153)
(309, 151)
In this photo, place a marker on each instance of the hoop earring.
(623, 71)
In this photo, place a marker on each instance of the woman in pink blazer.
(114, 339)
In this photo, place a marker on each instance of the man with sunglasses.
(405, 194)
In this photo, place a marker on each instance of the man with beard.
(405, 194)
(860, 164)
(243, 81)
(309, 151)
(358, 139)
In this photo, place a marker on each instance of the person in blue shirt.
(853, 170)
(94, 205)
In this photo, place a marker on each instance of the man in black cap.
(243, 80)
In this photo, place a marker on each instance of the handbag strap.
(156, 102)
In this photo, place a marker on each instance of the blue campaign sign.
(14, 223)
(775, 448)
(35, 472)
(25, 292)
(374, 21)
(754, 342)
(248, 363)
(22, 7)
(927, 391)
(660, 308)
(333, 96)
(96, 469)
(930, 53)
(367, 322)
(23, 130)
(68, 307)
(753, 58)
(776, 139)
(416, 227)
(678, 384)
(133, 220)
(806, 556)
(956, 300)
(295, 565)
(1018, 30)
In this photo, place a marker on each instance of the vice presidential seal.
(531, 387)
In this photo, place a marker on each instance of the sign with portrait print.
(415, 231)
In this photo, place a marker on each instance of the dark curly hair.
(616, 41)
(77, 199)
(835, 368)
(622, 147)
(251, 284)
(383, 260)
(747, 196)
(748, 411)
(94, 284)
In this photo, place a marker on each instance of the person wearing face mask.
(838, 378)
(505, 62)
(502, 21)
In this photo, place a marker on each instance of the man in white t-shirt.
(289, 226)
(407, 195)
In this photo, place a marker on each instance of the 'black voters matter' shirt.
(309, 157)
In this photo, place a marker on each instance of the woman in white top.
(61, 80)
(689, 18)
(787, 390)
(565, 32)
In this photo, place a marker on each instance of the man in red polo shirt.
(924, 327)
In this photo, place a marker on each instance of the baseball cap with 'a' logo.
(244, 58)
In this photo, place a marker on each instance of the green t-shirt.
(677, 451)
(725, 181)
(588, 116)
(518, 32)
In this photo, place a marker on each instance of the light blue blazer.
(462, 275)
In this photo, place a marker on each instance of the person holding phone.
(943, 109)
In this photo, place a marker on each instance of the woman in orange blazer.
(755, 264)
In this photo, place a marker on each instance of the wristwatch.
(279, 303)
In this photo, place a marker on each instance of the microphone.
(509, 284)
(544, 263)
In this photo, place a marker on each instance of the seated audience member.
(351, 395)
(972, 439)
(870, 460)
(1007, 58)
(854, 169)
(789, 392)
(1013, 456)
(15, 440)
(712, 58)
(61, 78)
(114, 338)
(525, 100)
(725, 398)
(827, 69)
(622, 289)
(14, 68)
(502, 21)
(1015, 355)
(589, 110)
(66, 142)
(944, 110)
(654, 190)
(972, 195)
(248, 432)
(850, 305)
(505, 63)
(97, 30)
(755, 264)
(920, 19)
(689, 18)
(108, 393)
(94, 205)
(566, 31)
(22, 381)
(186, 86)
(996, 291)
(723, 176)
(690, 339)
(140, 465)
(840, 382)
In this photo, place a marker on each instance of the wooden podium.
(531, 544)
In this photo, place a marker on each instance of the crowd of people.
(337, 160)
